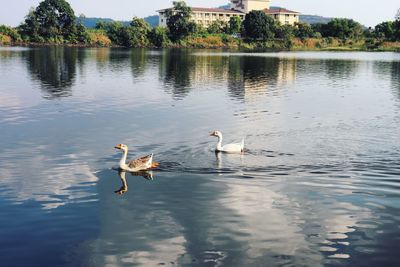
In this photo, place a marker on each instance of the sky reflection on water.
(318, 184)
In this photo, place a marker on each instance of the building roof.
(216, 10)
(210, 10)
(279, 11)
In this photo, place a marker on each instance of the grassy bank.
(98, 38)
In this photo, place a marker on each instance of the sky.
(367, 12)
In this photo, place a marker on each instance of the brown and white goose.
(139, 164)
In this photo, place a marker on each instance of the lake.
(317, 185)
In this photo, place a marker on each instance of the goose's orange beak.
(118, 146)
(212, 134)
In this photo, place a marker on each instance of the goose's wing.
(140, 162)
(232, 148)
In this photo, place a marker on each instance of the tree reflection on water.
(55, 68)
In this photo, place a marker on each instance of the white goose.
(228, 148)
(139, 164)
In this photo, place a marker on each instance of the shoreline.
(240, 45)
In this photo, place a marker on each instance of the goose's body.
(139, 164)
(228, 148)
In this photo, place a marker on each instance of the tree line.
(54, 21)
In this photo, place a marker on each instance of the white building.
(205, 16)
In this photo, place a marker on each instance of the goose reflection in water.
(148, 175)
(232, 161)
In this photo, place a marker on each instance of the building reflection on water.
(245, 76)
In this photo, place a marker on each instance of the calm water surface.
(318, 185)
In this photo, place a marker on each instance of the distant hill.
(91, 22)
(313, 19)
(152, 20)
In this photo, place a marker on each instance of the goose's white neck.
(122, 162)
(219, 144)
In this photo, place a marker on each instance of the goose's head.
(121, 147)
(216, 134)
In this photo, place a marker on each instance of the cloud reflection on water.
(31, 173)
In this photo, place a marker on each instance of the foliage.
(284, 31)
(304, 30)
(159, 37)
(101, 25)
(98, 38)
(397, 26)
(52, 20)
(216, 27)
(385, 30)
(5, 39)
(234, 25)
(258, 26)
(136, 34)
(12, 33)
(340, 28)
(114, 31)
(178, 21)
(210, 41)
(29, 30)
(82, 36)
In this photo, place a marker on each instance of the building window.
(162, 20)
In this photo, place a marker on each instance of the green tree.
(159, 37)
(51, 20)
(136, 34)
(397, 26)
(234, 25)
(258, 26)
(284, 31)
(114, 31)
(101, 25)
(82, 36)
(216, 27)
(385, 30)
(29, 30)
(303, 30)
(341, 28)
(178, 21)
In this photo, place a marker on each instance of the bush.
(159, 37)
(12, 33)
(216, 27)
(5, 39)
(210, 41)
(99, 38)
